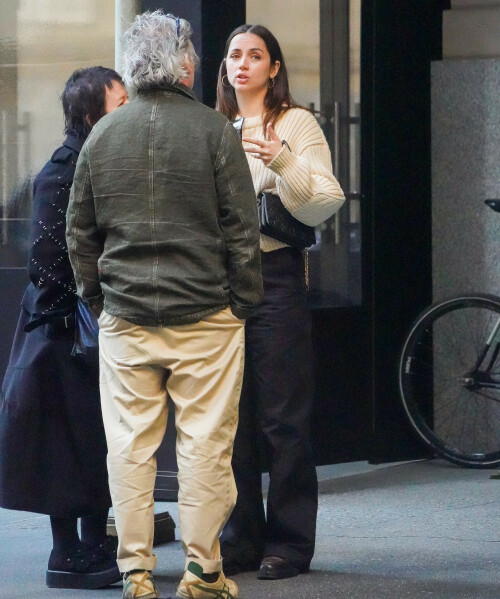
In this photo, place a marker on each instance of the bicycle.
(449, 377)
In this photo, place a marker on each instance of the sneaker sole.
(74, 580)
(212, 593)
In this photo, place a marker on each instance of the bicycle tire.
(457, 421)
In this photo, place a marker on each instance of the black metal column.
(212, 22)
(399, 41)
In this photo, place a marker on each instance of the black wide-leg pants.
(275, 408)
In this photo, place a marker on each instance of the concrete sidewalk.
(419, 529)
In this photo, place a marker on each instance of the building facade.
(364, 68)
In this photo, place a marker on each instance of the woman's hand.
(265, 150)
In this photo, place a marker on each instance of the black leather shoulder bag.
(274, 219)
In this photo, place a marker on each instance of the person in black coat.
(52, 442)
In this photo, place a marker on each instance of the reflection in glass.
(41, 43)
(335, 261)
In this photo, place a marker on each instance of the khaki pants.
(200, 366)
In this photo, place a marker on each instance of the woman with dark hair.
(289, 156)
(52, 443)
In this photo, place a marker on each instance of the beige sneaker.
(193, 587)
(140, 585)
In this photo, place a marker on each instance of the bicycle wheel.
(454, 408)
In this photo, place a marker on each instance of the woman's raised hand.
(265, 150)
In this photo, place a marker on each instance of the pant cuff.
(208, 565)
(136, 563)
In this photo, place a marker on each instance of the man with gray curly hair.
(163, 238)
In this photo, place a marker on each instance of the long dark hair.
(278, 98)
(84, 98)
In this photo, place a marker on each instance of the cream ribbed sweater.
(301, 176)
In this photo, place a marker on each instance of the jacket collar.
(177, 88)
(74, 143)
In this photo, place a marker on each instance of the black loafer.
(273, 567)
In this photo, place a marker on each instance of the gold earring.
(228, 85)
(271, 83)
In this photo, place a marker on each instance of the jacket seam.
(154, 277)
(242, 220)
(219, 151)
(190, 318)
(77, 267)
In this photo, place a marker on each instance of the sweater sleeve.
(304, 177)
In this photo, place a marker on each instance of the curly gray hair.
(155, 50)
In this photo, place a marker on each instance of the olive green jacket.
(162, 222)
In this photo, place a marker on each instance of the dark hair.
(84, 98)
(278, 98)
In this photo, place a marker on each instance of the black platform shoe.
(82, 569)
(108, 547)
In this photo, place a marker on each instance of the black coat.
(52, 443)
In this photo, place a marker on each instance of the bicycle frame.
(474, 379)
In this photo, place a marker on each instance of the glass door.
(321, 44)
(41, 43)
